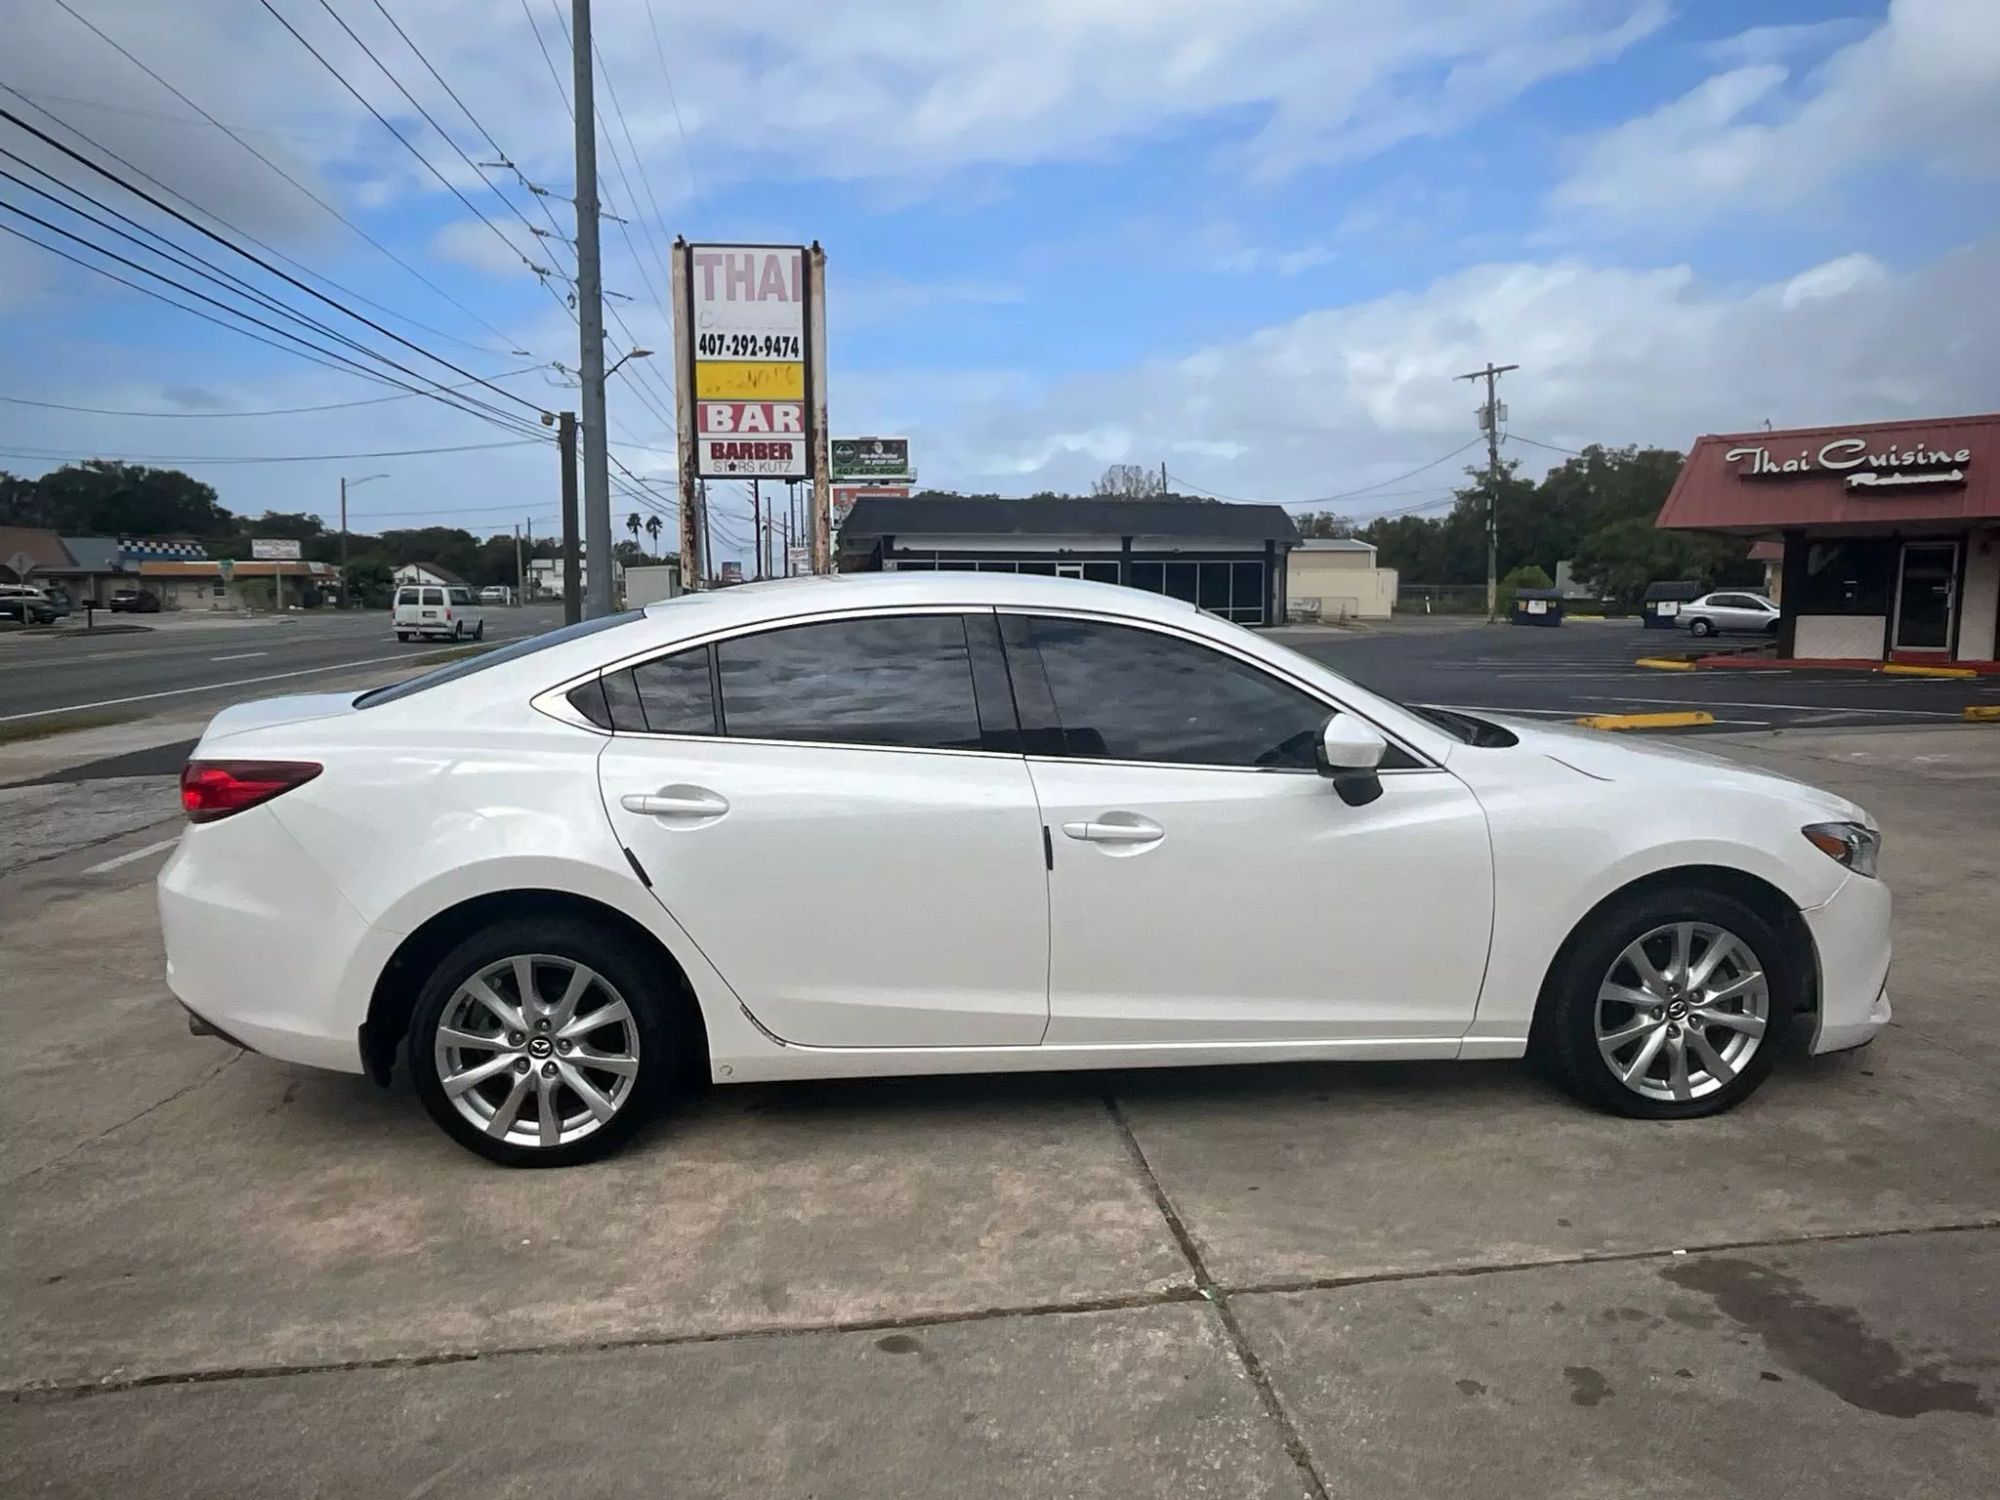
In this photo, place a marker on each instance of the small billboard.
(275, 549)
(882, 459)
(748, 344)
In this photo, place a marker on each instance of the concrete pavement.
(224, 1276)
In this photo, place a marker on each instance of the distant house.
(201, 586)
(429, 572)
(30, 554)
(1335, 577)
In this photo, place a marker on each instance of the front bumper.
(1850, 930)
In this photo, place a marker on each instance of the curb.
(1983, 713)
(1664, 664)
(1687, 720)
(1899, 669)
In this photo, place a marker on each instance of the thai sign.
(749, 334)
(1865, 464)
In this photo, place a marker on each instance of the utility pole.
(757, 526)
(694, 549)
(707, 535)
(520, 578)
(1163, 479)
(1489, 419)
(572, 573)
(590, 321)
(346, 601)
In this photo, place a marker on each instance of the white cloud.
(1774, 43)
(467, 242)
(1921, 88)
(1353, 396)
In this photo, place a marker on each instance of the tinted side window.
(905, 680)
(1129, 694)
(459, 596)
(673, 694)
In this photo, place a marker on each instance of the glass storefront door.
(1925, 596)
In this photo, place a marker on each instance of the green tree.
(1323, 523)
(100, 497)
(1527, 576)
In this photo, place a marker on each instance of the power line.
(278, 458)
(541, 273)
(555, 77)
(1515, 437)
(269, 411)
(235, 312)
(232, 133)
(660, 52)
(167, 119)
(222, 240)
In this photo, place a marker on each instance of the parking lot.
(226, 1276)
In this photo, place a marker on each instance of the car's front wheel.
(542, 1044)
(1700, 627)
(1670, 1005)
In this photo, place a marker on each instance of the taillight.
(212, 789)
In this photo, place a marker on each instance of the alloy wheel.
(1681, 1011)
(537, 1050)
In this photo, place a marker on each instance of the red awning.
(1878, 477)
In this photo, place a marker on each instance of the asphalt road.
(1587, 668)
(202, 664)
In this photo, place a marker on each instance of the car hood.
(1606, 756)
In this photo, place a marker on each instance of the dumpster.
(1662, 607)
(1536, 607)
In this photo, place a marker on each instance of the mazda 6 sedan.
(945, 822)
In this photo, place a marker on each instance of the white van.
(427, 609)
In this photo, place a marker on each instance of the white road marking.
(240, 656)
(131, 856)
(206, 687)
(1810, 708)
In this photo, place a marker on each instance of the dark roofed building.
(1228, 559)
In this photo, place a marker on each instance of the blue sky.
(1253, 243)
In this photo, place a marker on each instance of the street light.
(346, 598)
(629, 354)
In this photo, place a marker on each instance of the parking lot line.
(131, 856)
(1809, 708)
(240, 656)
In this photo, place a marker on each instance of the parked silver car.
(1731, 611)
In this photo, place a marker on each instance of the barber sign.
(749, 329)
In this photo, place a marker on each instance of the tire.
(620, 972)
(1570, 1018)
(403, 635)
(457, 631)
(479, 631)
(1700, 628)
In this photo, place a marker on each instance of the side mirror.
(1349, 753)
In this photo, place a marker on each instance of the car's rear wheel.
(1670, 1005)
(542, 1044)
(402, 635)
(1700, 627)
(479, 631)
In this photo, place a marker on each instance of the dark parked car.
(130, 601)
(26, 603)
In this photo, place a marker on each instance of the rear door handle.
(1116, 828)
(675, 802)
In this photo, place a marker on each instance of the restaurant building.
(1890, 532)
(1228, 559)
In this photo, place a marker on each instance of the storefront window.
(1850, 576)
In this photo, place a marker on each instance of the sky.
(1254, 243)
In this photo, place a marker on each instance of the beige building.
(200, 585)
(1335, 578)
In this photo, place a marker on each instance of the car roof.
(784, 598)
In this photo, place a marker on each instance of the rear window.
(434, 596)
(452, 671)
(406, 596)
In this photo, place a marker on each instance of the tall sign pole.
(694, 557)
(822, 477)
(1489, 419)
(572, 571)
(590, 322)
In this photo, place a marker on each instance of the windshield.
(467, 666)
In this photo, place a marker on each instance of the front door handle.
(676, 802)
(1116, 828)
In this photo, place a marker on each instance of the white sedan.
(951, 822)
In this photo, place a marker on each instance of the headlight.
(1852, 844)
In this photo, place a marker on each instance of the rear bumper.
(1851, 932)
(258, 942)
